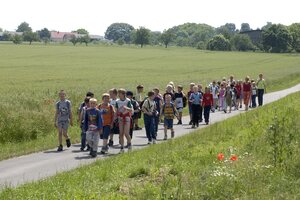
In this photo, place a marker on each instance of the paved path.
(28, 168)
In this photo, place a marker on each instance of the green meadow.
(32, 75)
(265, 142)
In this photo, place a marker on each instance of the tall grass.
(188, 168)
(31, 76)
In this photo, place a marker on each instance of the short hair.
(179, 86)
(150, 94)
(139, 87)
(156, 89)
(105, 95)
(192, 84)
(122, 91)
(114, 91)
(195, 87)
(247, 78)
(62, 91)
(93, 100)
(89, 94)
(87, 100)
(129, 93)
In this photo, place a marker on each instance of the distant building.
(57, 36)
(255, 35)
(11, 33)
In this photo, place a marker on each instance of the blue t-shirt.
(93, 120)
(197, 97)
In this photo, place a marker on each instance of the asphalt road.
(28, 168)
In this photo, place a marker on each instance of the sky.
(156, 15)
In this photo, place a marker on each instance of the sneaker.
(206, 123)
(154, 141)
(94, 154)
(122, 150)
(129, 147)
(111, 143)
(193, 126)
(225, 111)
(104, 150)
(68, 141)
(81, 149)
(172, 134)
(179, 122)
(197, 125)
(240, 106)
(60, 148)
(88, 148)
(91, 151)
(166, 137)
(190, 123)
(149, 142)
(137, 128)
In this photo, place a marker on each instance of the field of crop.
(31, 76)
(265, 143)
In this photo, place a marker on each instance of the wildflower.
(233, 157)
(220, 156)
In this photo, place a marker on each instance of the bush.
(219, 43)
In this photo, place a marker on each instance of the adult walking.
(261, 89)
(247, 92)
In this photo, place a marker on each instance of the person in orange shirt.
(207, 103)
(108, 112)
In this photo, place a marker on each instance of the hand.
(150, 114)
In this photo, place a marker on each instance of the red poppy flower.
(220, 156)
(233, 158)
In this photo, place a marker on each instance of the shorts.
(179, 109)
(229, 102)
(115, 129)
(63, 125)
(168, 123)
(106, 132)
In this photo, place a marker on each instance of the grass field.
(31, 76)
(265, 141)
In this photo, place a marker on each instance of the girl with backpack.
(169, 112)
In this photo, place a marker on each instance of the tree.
(142, 36)
(267, 26)
(242, 42)
(44, 35)
(30, 36)
(245, 27)
(118, 31)
(227, 30)
(85, 39)
(17, 39)
(74, 40)
(24, 27)
(166, 37)
(1, 30)
(218, 43)
(276, 39)
(6, 36)
(294, 30)
(81, 31)
(155, 37)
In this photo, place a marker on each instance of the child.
(63, 116)
(158, 101)
(234, 91)
(201, 109)
(81, 120)
(247, 92)
(169, 90)
(83, 104)
(179, 102)
(139, 97)
(93, 126)
(207, 103)
(168, 110)
(124, 110)
(108, 112)
(228, 98)
(149, 109)
(254, 94)
(238, 88)
(189, 103)
(113, 93)
(195, 99)
(214, 89)
(261, 89)
(222, 97)
(136, 110)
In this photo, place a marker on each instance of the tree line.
(276, 38)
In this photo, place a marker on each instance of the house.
(255, 35)
(11, 33)
(57, 36)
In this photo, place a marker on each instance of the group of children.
(119, 111)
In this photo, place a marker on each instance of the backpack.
(173, 107)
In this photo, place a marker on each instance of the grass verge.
(265, 141)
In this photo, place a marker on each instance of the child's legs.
(195, 114)
(83, 139)
(152, 128)
(60, 135)
(147, 123)
(200, 113)
(106, 133)
(89, 138)
(206, 113)
(95, 140)
(156, 121)
(136, 122)
(121, 130)
(126, 130)
(191, 112)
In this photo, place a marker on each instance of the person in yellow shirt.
(139, 97)
(261, 89)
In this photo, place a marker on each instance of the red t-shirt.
(207, 99)
(247, 87)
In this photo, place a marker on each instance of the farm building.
(255, 35)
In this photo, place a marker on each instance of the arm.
(144, 109)
(86, 118)
(100, 122)
(55, 118)
(71, 118)
(80, 119)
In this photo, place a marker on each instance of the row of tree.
(274, 37)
